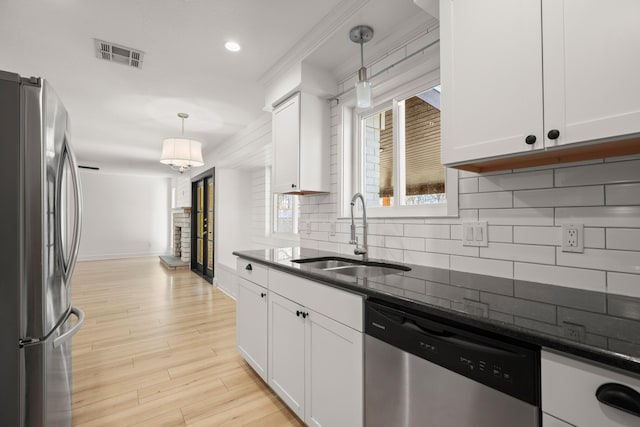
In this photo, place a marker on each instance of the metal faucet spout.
(359, 250)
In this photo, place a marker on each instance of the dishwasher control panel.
(501, 364)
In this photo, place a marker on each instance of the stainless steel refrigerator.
(40, 214)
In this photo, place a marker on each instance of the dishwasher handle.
(461, 342)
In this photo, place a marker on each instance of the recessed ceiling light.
(232, 46)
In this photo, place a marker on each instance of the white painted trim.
(120, 255)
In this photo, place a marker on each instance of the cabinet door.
(251, 325)
(491, 74)
(286, 145)
(549, 421)
(591, 69)
(286, 352)
(334, 373)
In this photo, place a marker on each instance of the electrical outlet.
(474, 234)
(573, 331)
(573, 238)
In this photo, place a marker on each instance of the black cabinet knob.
(248, 267)
(553, 134)
(530, 139)
(298, 313)
(293, 186)
(262, 295)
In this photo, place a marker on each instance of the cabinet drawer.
(569, 392)
(257, 273)
(336, 304)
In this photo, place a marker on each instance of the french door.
(202, 224)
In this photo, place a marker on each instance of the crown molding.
(313, 39)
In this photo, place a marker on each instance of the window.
(285, 213)
(399, 151)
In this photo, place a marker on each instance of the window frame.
(352, 151)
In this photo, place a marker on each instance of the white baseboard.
(225, 280)
(99, 257)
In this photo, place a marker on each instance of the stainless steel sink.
(351, 267)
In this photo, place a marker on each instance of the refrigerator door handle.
(69, 264)
(78, 208)
(71, 332)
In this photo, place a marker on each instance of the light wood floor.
(158, 349)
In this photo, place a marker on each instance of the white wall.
(124, 215)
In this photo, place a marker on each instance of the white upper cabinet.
(301, 145)
(522, 76)
(591, 69)
(491, 74)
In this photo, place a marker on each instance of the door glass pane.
(423, 171)
(377, 132)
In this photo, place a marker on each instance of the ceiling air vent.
(120, 54)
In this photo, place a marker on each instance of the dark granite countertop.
(607, 326)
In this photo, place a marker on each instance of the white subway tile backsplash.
(502, 199)
(605, 173)
(520, 216)
(394, 255)
(447, 246)
(456, 232)
(624, 284)
(410, 243)
(623, 238)
(623, 194)
(428, 230)
(593, 280)
(517, 252)
(499, 233)
(601, 259)
(516, 181)
(621, 158)
(489, 267)
(538, 235)
(468, 185)
(575, 196)
(604, 216)
(428, 259)
(594, 238)
(386, 229)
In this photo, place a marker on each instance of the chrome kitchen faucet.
(354, 239)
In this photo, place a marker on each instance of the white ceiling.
(119, 115)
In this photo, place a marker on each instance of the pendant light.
(362, 34)
(181, 153)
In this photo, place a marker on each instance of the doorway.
(202, 224)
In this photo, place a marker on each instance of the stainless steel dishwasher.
(424, 372)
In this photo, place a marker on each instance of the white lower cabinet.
(334, 373)
(569, 388)
(315, 364)
(251, 325)
(286, 352)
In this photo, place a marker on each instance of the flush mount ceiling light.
(362, 34)
(232, 46)
(181, 153)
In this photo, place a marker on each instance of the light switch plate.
(475, 234)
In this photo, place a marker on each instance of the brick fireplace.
(181, 218)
